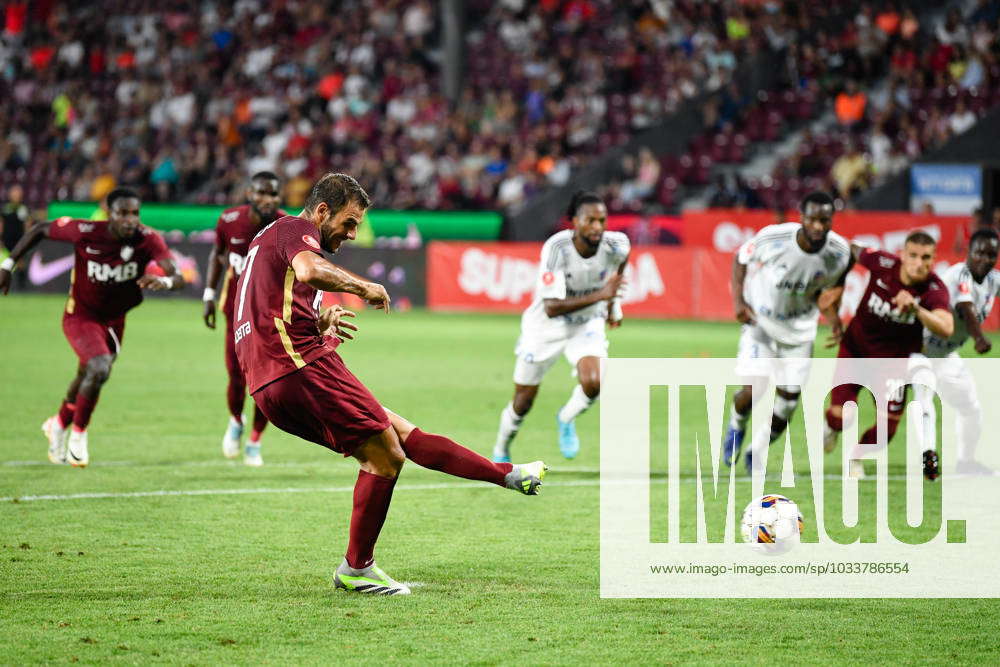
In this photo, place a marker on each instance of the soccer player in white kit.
(972, 286)
(778, 276)
(577, 292)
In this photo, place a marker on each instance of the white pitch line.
(231, 464)
(163, 493)
(264, 490)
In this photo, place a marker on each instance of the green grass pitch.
(241, 572)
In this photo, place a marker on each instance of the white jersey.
(563, 273)
(962, 288)
(783, 281)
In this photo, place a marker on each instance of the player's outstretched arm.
(556, 307)
(968, 313)
(30, 239)
(173, 280)
(317, 272)
(216, 265)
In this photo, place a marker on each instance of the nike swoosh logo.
(878, 281)
(238, 240)
(92, 251)
(40, 272)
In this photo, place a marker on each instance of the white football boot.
(76, 449)
(56, 435)
(371, 580)
(856, 469)
(526, 477)
(231, 440)
(251, 455)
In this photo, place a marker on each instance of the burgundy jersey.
(878, 328)
(233, 233)
(275, 315)
(107, 268)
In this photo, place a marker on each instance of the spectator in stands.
(952, 30)
(850, 105)
(961, 118)
(851, 172)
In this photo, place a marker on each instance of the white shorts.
(947, 375)
(536, 352)
(757, 348)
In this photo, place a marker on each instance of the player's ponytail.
(581, 197)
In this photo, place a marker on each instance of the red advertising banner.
(665, 282)
(726, 229)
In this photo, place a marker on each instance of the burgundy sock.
(235, 394)
(66, 411)
(439, 453)
(84, 408)
(836, 423)
(259, 422)
(372, 495)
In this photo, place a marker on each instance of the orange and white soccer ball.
(772, 524)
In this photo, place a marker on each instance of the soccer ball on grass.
(772, 524)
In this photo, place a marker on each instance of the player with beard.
(107, 282)
(286, 348)
(576, 295)
(235, 229)
(972, 287)
(904, 296)
(778, 277)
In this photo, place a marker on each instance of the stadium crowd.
(184, 99)
(896, 89)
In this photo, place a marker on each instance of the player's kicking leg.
(588, 370)
(57, 427)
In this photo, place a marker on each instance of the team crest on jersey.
(310, 241)
(127, 252)
(963, 288)
(887, 262)
(63, 221)
(86, 227)
(231, 216)
(548, 277)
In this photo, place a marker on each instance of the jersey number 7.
(246, 280)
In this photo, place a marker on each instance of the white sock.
(737, 422)
(577, 403)
(968, 427)
(510, 423)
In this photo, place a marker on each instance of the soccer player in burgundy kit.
(235, 229)
(286, 348)
(903, 296)
(108, 279)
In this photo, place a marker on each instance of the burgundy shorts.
(91, 337)
(889, 382)
(325, 403)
